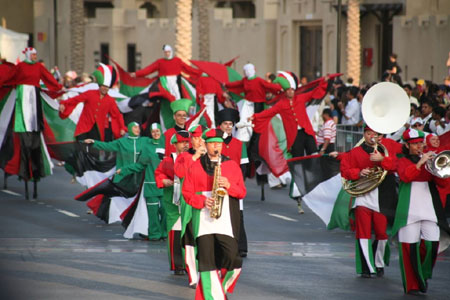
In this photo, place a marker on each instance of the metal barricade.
(347, 136)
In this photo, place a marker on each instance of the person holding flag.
(375, 208)
(100, 110)
(420, 216)
(300, 135)
(171, 84)
(33, 161)
(128, 150)
(216, 238)
(255, 88)
(167, 180)
(148, 161)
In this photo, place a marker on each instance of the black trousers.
(217, 251)
(31, 161)
(330, 148)
(242, 244)
(303, 142)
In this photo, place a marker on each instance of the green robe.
(147, 161)
(128, 150)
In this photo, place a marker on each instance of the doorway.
(311, 52)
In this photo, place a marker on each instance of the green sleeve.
(107, 146)
(132, 168)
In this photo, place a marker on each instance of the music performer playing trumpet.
(419, 216)
(218, 260)
(372, 208)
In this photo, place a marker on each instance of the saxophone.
(217, 193)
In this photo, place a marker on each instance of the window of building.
(91, 6)
(131, 57)
(104, 53)
(152, 10)
(241, 9)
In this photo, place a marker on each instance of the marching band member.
(218, 258)
(237, 151)
(182, 164)
(166, 179)
(419, 215)
(180, 110)
(372, 209)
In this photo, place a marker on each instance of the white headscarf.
(249, 70)
(28, 51)
(168, 48)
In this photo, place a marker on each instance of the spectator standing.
(326, 137)
(351, 112)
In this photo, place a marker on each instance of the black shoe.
(178, 272)
(243, 253)
(193, 286)
(424, 288)
(413, 292)
(380, 272)
(163, 239)
(365, 275)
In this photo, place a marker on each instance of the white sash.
(221, 225)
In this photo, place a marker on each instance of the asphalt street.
(50, 248)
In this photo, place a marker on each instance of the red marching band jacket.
(197, 180)
(165, 170)
(357, 159)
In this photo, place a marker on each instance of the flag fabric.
(131, 86)
(318, 179)
(445, 140)
(9, 140)
(222, 73)
(272, 147)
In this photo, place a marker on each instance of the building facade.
(296, 35)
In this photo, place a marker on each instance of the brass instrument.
(385, 109)
(217, 193)
(367, 183)
(439, 166)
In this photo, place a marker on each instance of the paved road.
(51, 249)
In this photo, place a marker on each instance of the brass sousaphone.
(385, 108)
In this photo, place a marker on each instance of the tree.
(183, 44)
(203, 29)
(77, 35)
(353, 41)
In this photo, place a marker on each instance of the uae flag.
(141, 90)
(9, 140)
(222, 73)
(108, 201)
(318, 179)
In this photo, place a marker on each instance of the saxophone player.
(374, 208)
(219, 262)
